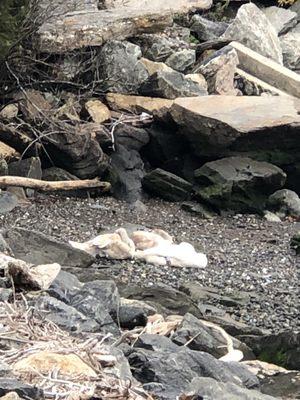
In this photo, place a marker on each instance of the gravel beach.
(245, 253)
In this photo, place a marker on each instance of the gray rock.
(8, 201)
(29, 168)
(209, 389)
(182, 60)
(156, 343)
(238, 183)
(166, 368)
(206, 339)
(65, 316)
(22, 389)
(290, 44)
(57, 174)
(219, 71)
(252, 28)
(281, 349)
(164, 299)
(296, 8)
(126, 173)
(37, 248)
(5, 369)
(282, 384)
(120, 68)
(5, 294)
(282, 19)
(284, 202)
(64, 287)
(170, 85)
(205, 29)
(130, 316)
(166, 185)
(271, 217)
(154, 47)
(131, 137)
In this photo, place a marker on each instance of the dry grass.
(24, 332)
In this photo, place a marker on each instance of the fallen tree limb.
(6, 181)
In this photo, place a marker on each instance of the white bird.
(115, 245)
(144, 240)
(176, 255)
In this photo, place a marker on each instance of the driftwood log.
(6, 181)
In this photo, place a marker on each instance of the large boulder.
(284, 202)
(120, 68)
(167, 185)
(290, 44)
(252, 28)
(37, 248)
(210, 389)
(216, 125)
(238, 183)
(282, 19)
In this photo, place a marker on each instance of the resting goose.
(176, 255)
(145, 240)
(115, 245)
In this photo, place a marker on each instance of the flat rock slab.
(37, 248)
(93, 28)
(212, 123)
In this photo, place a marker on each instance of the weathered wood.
(6, 181)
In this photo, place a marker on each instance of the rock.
(120, 68)
(33, 105)
(250, 120)
(282, 19)
(129, 316)
(11, 396)
(238, 183)
(295, 242)
(37, 248)
(7, 153)
(206, 30)
(8, 202)
(284, 81)
(37, 277)
(157, 343)
(166, 185)
(4, 247)
(126, 174)
(137, 104)
(170, 85)
(5, 295)
(219, 71)
(153, 66)
(282, 349)
(211, 389)
(69, 365)
(29, 168)
(296, 8)
(284, 202)
(9, 112)
(64, 287)
(200, 209)
(197, 336)
(23, 390)
(252, 28)
(165, 368)
(177, 6)
(283, 384)
(198, 78)
(76, 149)
(57, 174)
(181, 60)
(131, 137)
(65, 316)
(70, 110)
(97, 111)
(5, 370)
(290, 44)
(164, 299)
(271, 217)
(154, 47)
(104, 137)
(146, 308)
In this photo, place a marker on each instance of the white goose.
(176, 255)
(115, 245)
(144, 240)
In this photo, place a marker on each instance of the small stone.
(181, 60)
(9, 112)
(98, 111)
(271, 217)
